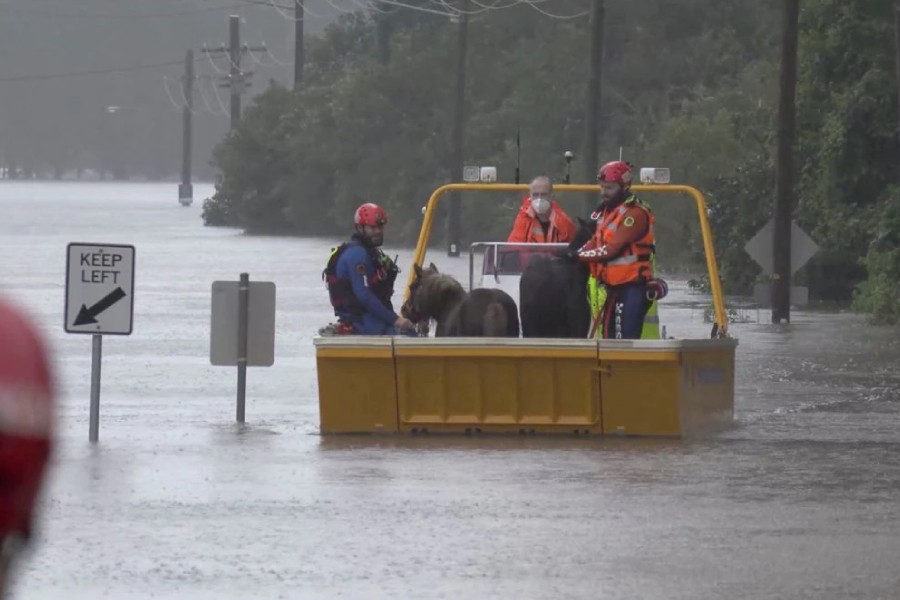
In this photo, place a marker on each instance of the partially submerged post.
(99, 301)
(242, 329)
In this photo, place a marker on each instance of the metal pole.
(784, 166)
(298, 43)
(518, 153)
(590, 148)
(454, 218)
(897, 56)
(472, 266)
(243, 297)
(235, 76)
(186, 191)
(96, 355)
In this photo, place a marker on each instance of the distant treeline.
(694, 88)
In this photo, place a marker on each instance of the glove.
(566, 254)
(657, 289)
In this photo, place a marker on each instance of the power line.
(366, 5)
(424, 9)
(339, 8)
(578, 15)
(118, 15)
(442, 8)
(90, 72)
(483, 7)
(268, 3)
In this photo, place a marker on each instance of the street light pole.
(186, 189)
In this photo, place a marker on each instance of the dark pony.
(483, 312)
(553, 294)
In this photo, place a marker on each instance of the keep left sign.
(99, 288)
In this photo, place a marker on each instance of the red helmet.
(26, 421)
(369, 214)
(617, 171)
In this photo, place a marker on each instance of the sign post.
(96, 355)
(99, 300)
(242, 329)
(243, 297)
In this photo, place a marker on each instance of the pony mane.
(437, 292)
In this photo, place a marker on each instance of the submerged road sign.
(761, 247)
(99, 289)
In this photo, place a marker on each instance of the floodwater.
(799, 500)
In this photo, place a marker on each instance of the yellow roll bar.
(705, 230)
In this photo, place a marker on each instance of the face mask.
(540, 206)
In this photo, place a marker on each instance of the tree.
(847, 154)
(694, 89)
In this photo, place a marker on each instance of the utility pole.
(592, 102)
(897, 57)
(236, 80)
(453, 216)
(186, 190)
(298, 43)
(784, 181)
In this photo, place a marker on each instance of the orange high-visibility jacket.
(630, 225)
(527, 228)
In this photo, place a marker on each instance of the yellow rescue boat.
(666, 387)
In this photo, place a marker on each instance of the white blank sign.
(223, 334)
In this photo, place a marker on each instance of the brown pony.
(483, 312)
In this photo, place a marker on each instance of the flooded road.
(800, 500)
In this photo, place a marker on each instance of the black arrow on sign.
(86, 315)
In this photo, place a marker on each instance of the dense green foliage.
(694, 88)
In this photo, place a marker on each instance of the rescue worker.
(540, 219)
(621, 255)
(360, 279)
(26, 424)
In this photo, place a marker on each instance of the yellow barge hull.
(491, 385)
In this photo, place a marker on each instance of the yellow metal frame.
(705, 229)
